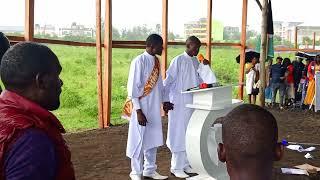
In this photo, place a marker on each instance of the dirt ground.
(100, 154)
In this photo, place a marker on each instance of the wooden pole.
(99, 63)
(296, 38)
(29, 20)
(263, 52)
(243, 47)
(107, 80)
(164, 56)
(209, 30)
(314, 40)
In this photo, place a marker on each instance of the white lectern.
(202, 137)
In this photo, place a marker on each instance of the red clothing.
(290, 78)
(312, 69)
(18, 114)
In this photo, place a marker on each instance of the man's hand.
(142, 120)
(205, 62)
(167, 106)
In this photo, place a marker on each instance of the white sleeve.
(171, 76)
(135, 85)
(257, 67)
(165, 97)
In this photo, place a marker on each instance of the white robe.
(250, 79)
(181, 75)
(142, 138)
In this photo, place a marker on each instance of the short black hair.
(154, 39)
(23, 61)
(193, 39)
(279, 57)
(4, 44)
(286, 62)
(249, 133)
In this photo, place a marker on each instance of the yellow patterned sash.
(152, 81)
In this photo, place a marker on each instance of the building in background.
(47, 29)
(286, 31)
(77, 30)
(199, 29)
(230, 29)
(231, 33)
(305, 33)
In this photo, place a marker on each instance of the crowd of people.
(294, 80)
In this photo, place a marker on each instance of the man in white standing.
(181, 75)
(145, 92)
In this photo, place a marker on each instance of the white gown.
(250, 79)
(142, 138)
(181, 75)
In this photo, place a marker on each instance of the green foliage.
(307, 40)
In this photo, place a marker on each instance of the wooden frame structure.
(99, 64)
(104, 66)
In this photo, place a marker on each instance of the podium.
(202, 137)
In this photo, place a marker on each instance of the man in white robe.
(145, 127)
(181, 75)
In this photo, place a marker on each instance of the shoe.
(180, 174)
(155, 175)
(189, 170)
(135, 177)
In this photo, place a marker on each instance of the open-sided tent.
(104, 65)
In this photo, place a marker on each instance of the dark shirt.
(31, 157)
(297, 71)
(277, 71)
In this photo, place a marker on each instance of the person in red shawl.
(313, 68)
(31, 143)
(289, 82)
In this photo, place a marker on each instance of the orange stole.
(151, 82)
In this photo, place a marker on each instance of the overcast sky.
(127, 13)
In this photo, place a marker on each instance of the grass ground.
(78, 109)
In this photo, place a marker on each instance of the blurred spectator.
(277, 73)
(289, 82)
(252, 80)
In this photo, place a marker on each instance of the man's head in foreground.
(4, 44)
(32, 71)
(250, 143)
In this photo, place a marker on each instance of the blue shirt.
(31, 157)
(277, 71)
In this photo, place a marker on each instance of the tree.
(251, 34)
(115, 34)
(171, 36)
(307, 40)
(263, 52)
(158, 29)
(136, 33)
(277, 38)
